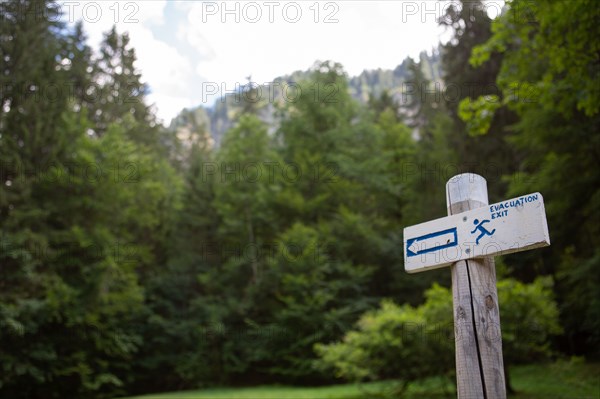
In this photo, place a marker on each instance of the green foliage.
(81, 217)
(244, 186)
(549, 77)
(388, 343)
(529, 317)
(562, 69)
(409, 343)
(399, 342)
(71, 282)
(480, 124)
(317, 297)
(581, 279)
(478, 114)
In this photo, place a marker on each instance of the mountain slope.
(209, 124)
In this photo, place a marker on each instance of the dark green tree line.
(82, 216)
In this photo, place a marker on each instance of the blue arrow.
(449, 243)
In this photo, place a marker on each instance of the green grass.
(561, 380)
(349, 391)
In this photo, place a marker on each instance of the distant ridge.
(209, 124)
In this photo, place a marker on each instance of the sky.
(189, 52)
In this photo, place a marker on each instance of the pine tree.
(489, 155)
(121, 93)
(79, 215)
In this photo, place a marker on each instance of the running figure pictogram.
(482, 230)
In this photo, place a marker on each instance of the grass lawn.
(562, 380)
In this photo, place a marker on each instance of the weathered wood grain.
(479, 363)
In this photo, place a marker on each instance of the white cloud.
(213, 46)
(163, 67)
(167, 72)
(366, 35)
(100, 16)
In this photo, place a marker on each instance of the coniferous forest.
(138, 258)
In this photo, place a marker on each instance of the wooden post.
(478, 340)
(462, 240)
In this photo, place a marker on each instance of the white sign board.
(509, 226)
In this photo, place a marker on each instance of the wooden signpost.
(467, 239)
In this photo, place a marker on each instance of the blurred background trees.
(135, 261)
